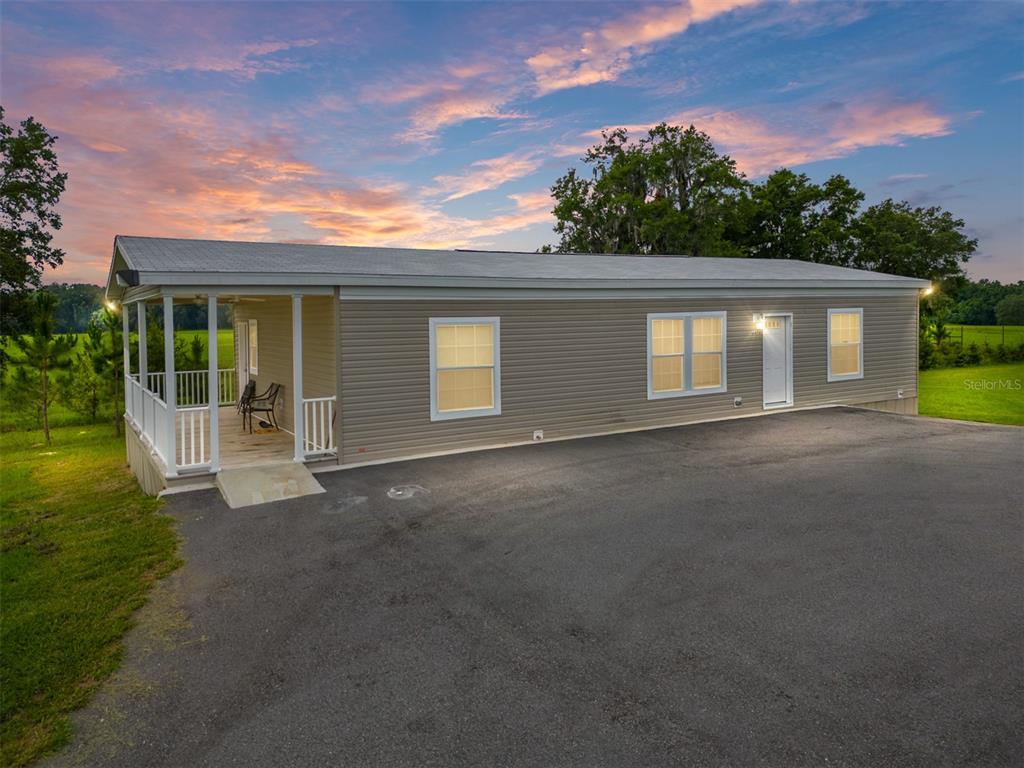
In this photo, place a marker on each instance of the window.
(685, 354)
(465, 367)
(845, 344)
(254, 348)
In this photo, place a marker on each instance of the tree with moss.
(671, 192)
(668, 193)
(900, 239)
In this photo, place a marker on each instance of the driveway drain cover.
(406, 491)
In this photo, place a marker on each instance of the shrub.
(926, 353)
(972, 355)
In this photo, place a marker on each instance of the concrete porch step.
(247, 486)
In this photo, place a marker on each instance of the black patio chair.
(264, 403)
(247, 394)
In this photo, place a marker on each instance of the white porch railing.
(192, 387)
(147, 412)
(318, 425)
(192, 426)
(132, 397)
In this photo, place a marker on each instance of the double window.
(465, 367)
(845, 344)
(685, 354)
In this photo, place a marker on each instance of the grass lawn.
(1011, 335)
(81, 548)
(991, 393)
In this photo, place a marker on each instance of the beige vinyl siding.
(274, 318)
(574, 367)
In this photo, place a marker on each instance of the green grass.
(990, 393)
(81, 548)
(993, 334)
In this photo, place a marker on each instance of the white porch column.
(127, 358)
(213, 387)
(300, 454)
(143, 380)
(143, 370)
(171, 396)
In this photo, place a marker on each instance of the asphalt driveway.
(819, 588)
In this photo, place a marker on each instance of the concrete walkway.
(248, 486)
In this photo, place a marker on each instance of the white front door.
(242, 363)
(778, 367)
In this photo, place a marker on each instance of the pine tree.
(43, 353)
(104, 347)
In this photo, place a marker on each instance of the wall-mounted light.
(759, 322)
(111, 306)
(928, 291)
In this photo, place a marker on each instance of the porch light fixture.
(759, 322)
(111, 306)
(928, 291)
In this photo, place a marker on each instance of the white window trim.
(828, 344)
(495, 323)
(687, 390)
(250, 326)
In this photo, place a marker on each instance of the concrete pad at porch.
(247, 486)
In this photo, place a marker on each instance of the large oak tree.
(30, 186)
(671, 192)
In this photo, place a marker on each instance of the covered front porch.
(187, 424)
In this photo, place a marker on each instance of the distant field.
(991, 393)
(1011, 335)
(225, 344)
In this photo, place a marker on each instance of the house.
(387, 353)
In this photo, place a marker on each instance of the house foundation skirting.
(142, 462)
(905, 405)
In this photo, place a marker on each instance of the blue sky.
(429, 124)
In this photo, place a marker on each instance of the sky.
(444, 125)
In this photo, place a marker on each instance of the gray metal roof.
(177, 261)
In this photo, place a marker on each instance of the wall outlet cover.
(538, 434)
(737, 401)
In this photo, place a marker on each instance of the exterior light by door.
(759, 322)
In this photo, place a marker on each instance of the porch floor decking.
(240, 449)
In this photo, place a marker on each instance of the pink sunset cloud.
(759, 144)
(483, 175)
(445, 96)
(153, 165)
(603, 54)
(452, 106)
(246, 60)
